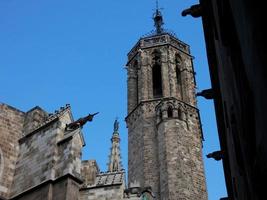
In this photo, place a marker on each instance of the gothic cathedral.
(40, 152)
(164, 130)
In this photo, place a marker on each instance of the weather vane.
(158, 19)
(116, 125)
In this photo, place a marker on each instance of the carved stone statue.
(116, 125)
(80, 122)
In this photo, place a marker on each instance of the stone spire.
(114, 164)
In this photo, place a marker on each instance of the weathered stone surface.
(11, 128)
(89, 171)
(107, 186)
(37, 151)
(164, 134)
(41, 159)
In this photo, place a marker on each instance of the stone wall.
(107, 186)
(164, 133)
(47, 153)
(89, 171)
(180, 159)
(69, 155)
(36, 160)
(11, 127)
(111, 192)
(64, 188)
(33, 118)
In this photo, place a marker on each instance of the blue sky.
(55, 52)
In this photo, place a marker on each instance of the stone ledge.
(50, 181)
(99, 186)
(159, 101)
(160, 40)
(21, 140)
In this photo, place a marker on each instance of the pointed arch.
(178, 73)
(170, 111)
(136, 80)
(157, 81)
(178, 64)
(178, 59)
(156, 74)
(156, 56)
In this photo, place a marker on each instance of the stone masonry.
(38, 154)
(164, 131)
(11, 128)
(41, 159)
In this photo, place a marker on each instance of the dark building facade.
(236, 49)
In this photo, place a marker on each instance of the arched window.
(157, 82)
(136, 80)
(157, 56)
(156, 75)
(178, 62)
(178, 76)
(169, 111)
(178, 59)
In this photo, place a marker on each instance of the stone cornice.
(158, 40)
(149, 107)
(50, 181)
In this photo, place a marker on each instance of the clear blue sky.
(55, 52)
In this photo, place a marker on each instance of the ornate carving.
(178, 44)
(80, 122)
(156, 40)
(146, 108)
(159, 40)
(180, 109)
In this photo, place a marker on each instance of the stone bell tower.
(164, 130)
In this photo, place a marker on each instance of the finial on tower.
(114, 164)
(158, 19)
(116, 125)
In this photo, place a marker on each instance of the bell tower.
(164, 130)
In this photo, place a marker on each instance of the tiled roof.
(108, 178)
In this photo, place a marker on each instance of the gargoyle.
(207, 94)
(80, 122)
(216, 155)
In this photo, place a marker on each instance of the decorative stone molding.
(144, 107)
(157, 40)
(179, 109)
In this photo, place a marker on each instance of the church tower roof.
(114, 164)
